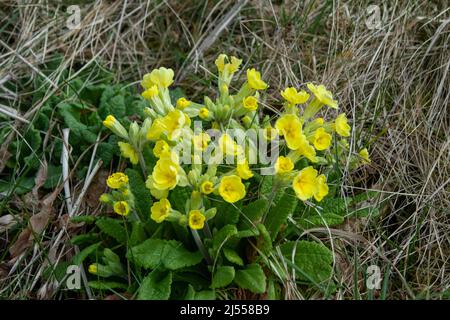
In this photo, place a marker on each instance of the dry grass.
(393, 81)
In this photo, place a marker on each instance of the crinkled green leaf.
(251, 278)
(113, 228)
(222, 277)
(156, 286)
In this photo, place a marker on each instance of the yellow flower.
(269, 133)
(341, 126)
(158, 194)
(306, 150)
(364, 154)
(155, 130)
(207, 187)
(290, 126)
(93, 269)
(234, 65)
(161, 77)
(150, 92)
(160, 210)
(243, 170)
(203, 113)
(321, 139)
(254, 80)
(231, 188)
(109, 122)
(323, 95)
(117, 180)
(305, 184)
(220, 62)
(201, 141)
(322, 188)
(228, 146)
(165, 172)
(283, 165)
(160, 147)
(250, 103)
(105, 198)
(196, 219)
(171, 124)
(122, 208)
(293, 97)
(183, 103)
(128, 151)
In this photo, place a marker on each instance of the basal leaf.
(156, 286)
(222, 277)
(251, 278)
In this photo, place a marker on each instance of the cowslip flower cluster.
(304, 140)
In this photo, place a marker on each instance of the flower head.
(161, 77)
(151, 92)
(207, 187)
(110, 121)
(203, 113)
(364, 154)
(283, 165)
(290, 126)
(231, 188)
(93, 269)
(323, 95)
(321, 139)
(196, 219)
(165, 173)
(201, 141)
(128, 151)
(243, 170)
(121, 207)
(254, 80)
(160, 147)
(305, 183)
(183, 103)
(250, 103)
(341, 125)
(228, 146)
(293, 97)
(117, 180)
(322, 188)
(160, 210)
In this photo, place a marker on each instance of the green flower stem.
(201, 247)
(142, 163)
(207, 230)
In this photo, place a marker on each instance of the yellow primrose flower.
(203, 113)
(243, 170)
(158, 194)
(250, 103)
(128, 151)
(231, 188)
(341, 126)
(150, 92)
(322, 188)
(160, 210)
(122, 208)
(201, 141)
(93, 269)
(165, 174)
(254, 80)
(228, 146)
(234, 65)
(305, 184)
(196, 219)
(183, 103)
(290, 126)
(323, 95)
(321, 139)
(155, 130)
(110, 121)
(160, 147)
(171, 124)
(283, 165)
(220, 62)
(364, 154)
(306, 150)
(117, 180)
(293, 97)
(207, 187)
(161, 77)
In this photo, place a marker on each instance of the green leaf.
(107, 285)
(223, 276)
(233, 256)
(313, 259)
(83, 218)
(227, 213)
(137, 233)
(83, 238)
(279, 213)
(54, 176)
(324, 219)
(252, 213)
(223, 235)
(83, 254)
(264, 242)
(169, 254)
(179, 197)
(191, 294)
(112, 228)
(156, 286)
(141, 194)
(252, 278)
